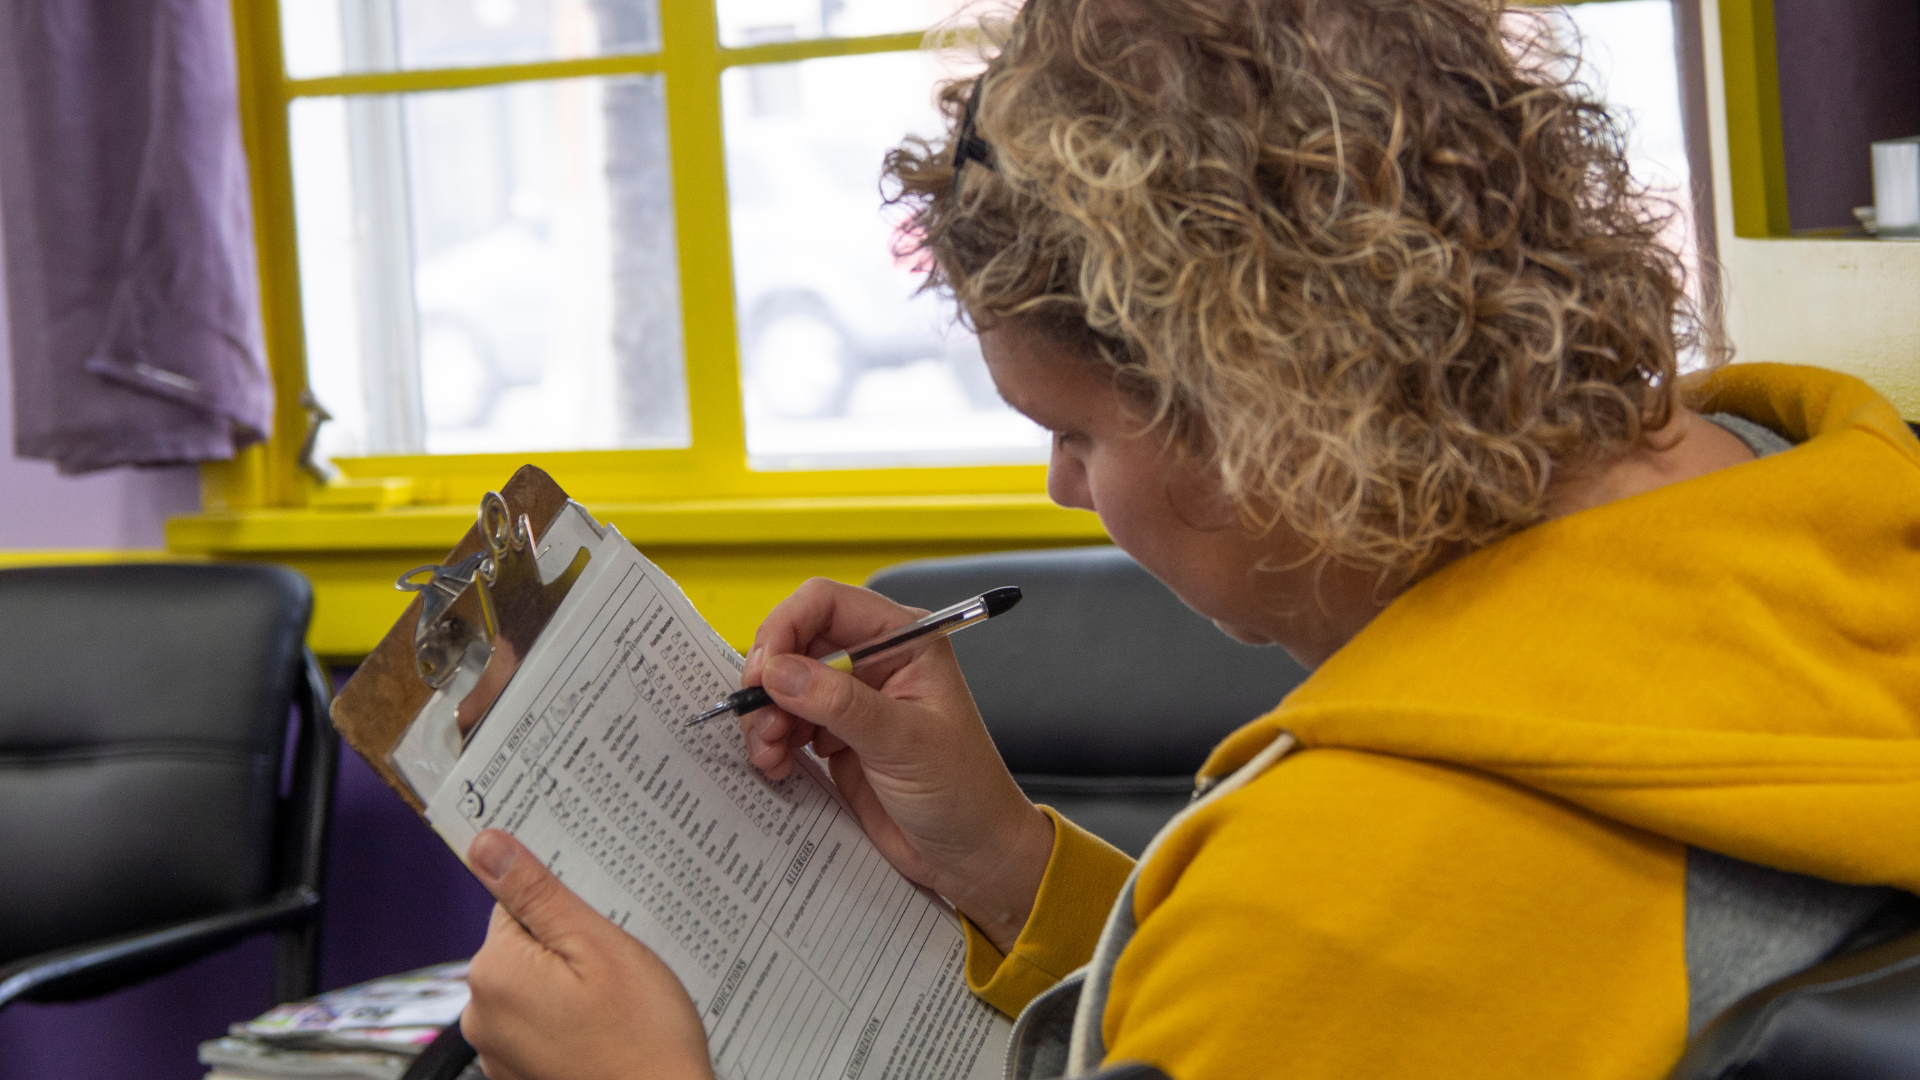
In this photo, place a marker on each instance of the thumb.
(537, 900)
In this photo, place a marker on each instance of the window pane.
(843, 362)
(491, 270)
(333, 37)
(756, 22)
(329, 299)
(1627, 46)
(1627, 49)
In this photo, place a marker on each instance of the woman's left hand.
(560, 992)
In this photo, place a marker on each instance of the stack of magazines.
(372, 1031)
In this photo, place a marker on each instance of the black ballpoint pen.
(937, 625)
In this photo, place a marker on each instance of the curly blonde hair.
(1381, 261)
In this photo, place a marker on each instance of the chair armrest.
(43, 973)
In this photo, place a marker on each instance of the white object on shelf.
(1896, 188)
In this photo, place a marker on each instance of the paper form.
(809, 956)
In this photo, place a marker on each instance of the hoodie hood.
(1731, 661)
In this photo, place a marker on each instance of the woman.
(1351, 326)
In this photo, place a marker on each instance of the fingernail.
(493, 854)
(753, 657)
(787, 675)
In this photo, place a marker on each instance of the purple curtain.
(131, 287)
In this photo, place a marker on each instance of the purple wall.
(1849, 75)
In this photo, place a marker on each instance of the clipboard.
(475, 614)
(666, 830)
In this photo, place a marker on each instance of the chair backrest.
(143, 721)
(1102, 690)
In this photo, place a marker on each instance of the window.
(751, 22)
(488, 242)
(650, 231)
(478, 278)
(1628, 49)
(842, 358)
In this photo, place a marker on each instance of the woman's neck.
(1689, 445)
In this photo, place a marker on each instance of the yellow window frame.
(1756, 155)
(715, 466)
(737, 539)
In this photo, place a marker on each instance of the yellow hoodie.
(1476, 865)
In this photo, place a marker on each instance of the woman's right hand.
(906, 747)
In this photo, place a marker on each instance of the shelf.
(729, 522)
(736, 558)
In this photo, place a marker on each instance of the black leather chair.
(152, 806)
(1102, 690)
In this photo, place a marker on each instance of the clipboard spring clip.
(458, 611)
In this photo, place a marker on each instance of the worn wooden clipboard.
(387, 692)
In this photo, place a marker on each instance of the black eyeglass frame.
(968, 146)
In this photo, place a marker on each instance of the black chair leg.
(296, 961)
(303, 840)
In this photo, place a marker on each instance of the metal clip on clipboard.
(479, 617)
(493, 595)
(388, 693)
